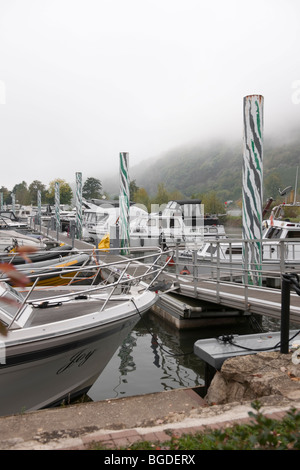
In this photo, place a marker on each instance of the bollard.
(285, 316)
(252, 190)
(79, 205)
(124, 199)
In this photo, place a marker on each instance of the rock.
(250, 377)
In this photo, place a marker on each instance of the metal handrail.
(121, 280)
(217, 266)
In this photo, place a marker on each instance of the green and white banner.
(124, 203)
(79, 205)
(39, 204)
(252, 186)
(57, 206)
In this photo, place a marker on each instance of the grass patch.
(262, 433)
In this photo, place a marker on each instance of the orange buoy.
(185, 271)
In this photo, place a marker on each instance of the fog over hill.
(203, 167)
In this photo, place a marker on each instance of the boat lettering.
(78, 359)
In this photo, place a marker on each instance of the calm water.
(156, 357)
(141, 366)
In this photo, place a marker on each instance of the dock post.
(57, 208)
(285, 316)
(252, 184)
(13, 202)
(79, 205)
(39, 204)
(124, 204)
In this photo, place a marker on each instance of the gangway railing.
(226, 261)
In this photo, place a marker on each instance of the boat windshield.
(10, 299)
(274, 232)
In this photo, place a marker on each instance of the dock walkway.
(258, 300)
(237, 296)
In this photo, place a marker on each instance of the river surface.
(156, 356)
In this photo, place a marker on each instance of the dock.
(215, 351)
(197, 301)
(251, 299)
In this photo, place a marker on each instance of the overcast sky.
(82, 80)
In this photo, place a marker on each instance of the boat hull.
(40, 372)
(50, 271)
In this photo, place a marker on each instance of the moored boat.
(58, 342)
(280, 246)
(179, 222)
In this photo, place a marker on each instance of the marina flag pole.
(124, 203)
(78, 205)
(13, 201)
(57, 208)
(252, 187)
(39, 204)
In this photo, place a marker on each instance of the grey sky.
(82, 80)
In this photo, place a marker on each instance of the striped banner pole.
(39, 204)
(124, 203)
(1, 201)
(252, 187)
(57, 208)
(13, 202)
(78, 205)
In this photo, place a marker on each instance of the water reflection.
(156, 357)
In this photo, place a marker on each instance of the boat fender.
(185, 271)
(81, 297)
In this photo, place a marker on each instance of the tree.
(21, 192)
(176, 196)
(272, 184)
(33, 189)
(65, 192)
(162, 195)
(92, 189)
(212, 205)
(141, 197)
(6, 195)
(133, 188)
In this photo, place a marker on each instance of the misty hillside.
(216, 166)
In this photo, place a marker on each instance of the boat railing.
(240, 265)
(121, 272)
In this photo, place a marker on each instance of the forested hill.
(217, 166)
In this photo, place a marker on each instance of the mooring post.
(252, 189)
(39, 204)
(57, 208)
(285, 316)
(78, 205)
(124, 204)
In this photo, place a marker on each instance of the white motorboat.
(57, 271)
(24, 214)
(9, 221)
(280, 246)
(58, 342)
(10, 239)
(179, 222)
(103, 219)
